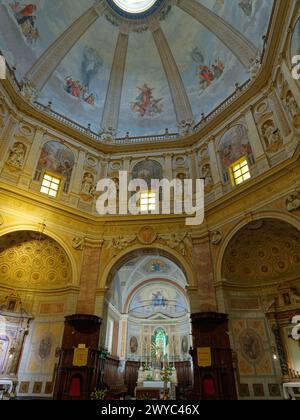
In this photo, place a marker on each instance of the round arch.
(52, 235)
(288, 218)
(106, 276)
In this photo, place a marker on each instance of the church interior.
(146, 306)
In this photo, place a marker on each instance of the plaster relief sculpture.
(293, 202)
(87, 187)
(272, 137)
(17, 155)
(179, 242)
(78, 243)
(293, 109)
(207, 175)
(216, 238)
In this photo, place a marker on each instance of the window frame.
(52, 176)
(232, 171)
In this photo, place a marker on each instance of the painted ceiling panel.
(78, 87)
(146, 105)
(21, 44)
(208, 69)
(250, 17)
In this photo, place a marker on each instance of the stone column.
(193, 166)
(168, 170)
(256, 143)
(7, 139)
(89, 277)
(32, 159)
(203, 266)
(44, 67)
(78, 172)
(215, 168)
(123, 337)
(234, 40)
(182, 106)
(110, 118)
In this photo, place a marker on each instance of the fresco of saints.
(145, 104)
(26, 19)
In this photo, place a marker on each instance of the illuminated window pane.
(148, 202)
(50, 185)
(240, 172)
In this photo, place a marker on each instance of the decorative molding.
(216, 237)
(78, 243)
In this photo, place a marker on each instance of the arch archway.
(36, 277)
(106, 275)
(52, 235)
(260, 282)
(264, 215)
(147, 292)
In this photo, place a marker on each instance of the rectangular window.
(148, 201)
(240, 172)
(50, 185)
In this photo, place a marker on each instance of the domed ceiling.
(137, 66)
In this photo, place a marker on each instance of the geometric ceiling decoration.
(136, 66)
(263, 252)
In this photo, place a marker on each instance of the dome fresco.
(78, 87)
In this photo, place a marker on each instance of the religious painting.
(251, 345)
(156, 266)
(57, 158)
(45, 346)
(207, 72)
(158, 299)
(45, 339)
(246, 6)
(159, 343)
(234, 145)
(25, 15)
(184, 344)
(295, 45)
(90, 66)
(133, 345)
(147, 170)
(145, 104)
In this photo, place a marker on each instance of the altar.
(150, 384)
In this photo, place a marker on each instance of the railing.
(100, 137)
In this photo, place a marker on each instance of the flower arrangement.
(99, 394)
(166, 374)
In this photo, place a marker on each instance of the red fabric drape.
(75, 388)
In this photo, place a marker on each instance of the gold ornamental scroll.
(80, 358)
(204, 357)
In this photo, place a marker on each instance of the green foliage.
(99, 394)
